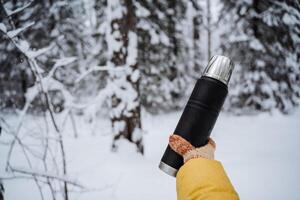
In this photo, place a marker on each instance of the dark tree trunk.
(197, 20)
(130, 117)
(1, 191)
(208, 17)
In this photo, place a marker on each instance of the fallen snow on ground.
(260, 154)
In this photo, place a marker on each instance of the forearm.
(201, 178)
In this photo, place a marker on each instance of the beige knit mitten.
(188, 151)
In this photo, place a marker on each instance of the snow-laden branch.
(50, 83)
(61, 62)
(156, 35)
(24, 48)
(22, 45)
(41, 86)
(35, 172)
(35, 54)
(16, 11)
(14, 33)
(45, 82)
(3, 28)
(98, 68)
(64, 61)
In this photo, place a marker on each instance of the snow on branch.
(98, 68)
(64, 61)
(35, 54)
(13, 12)
(23, 45)
(61, 62)
(47, 81)
(156, 35)
(14, 33)
(3, 28)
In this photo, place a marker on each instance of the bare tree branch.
(48, 175)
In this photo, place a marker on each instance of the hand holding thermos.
(190, 153)
(201, 111)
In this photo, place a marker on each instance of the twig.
(73, 125)
(98, 68)
(46, 147)
(16, 11)
(48, 175)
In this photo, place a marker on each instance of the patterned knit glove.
(188, 151)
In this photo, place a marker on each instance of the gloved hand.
(202, 178)
(188, 151)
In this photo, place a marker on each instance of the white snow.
(135, 75)
(20, 9)
(260, 154)
(16, 32)
(34, 54)
(141, 11)
(98, 68)
(155, 34)
(137, 134)
(64, 61)
(3, 28)
(118, 126)
(255, 44)
(131, 58)
(24, 46)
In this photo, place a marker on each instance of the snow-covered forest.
(90, 90)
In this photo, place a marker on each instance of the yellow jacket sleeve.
(203, 179)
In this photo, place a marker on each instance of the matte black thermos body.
(201, 111)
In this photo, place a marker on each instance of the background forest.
(97, 78)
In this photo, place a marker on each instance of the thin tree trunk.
(208, 18)
(196, 38)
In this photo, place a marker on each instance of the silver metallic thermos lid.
(220, 68)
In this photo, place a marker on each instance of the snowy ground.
(260, 153)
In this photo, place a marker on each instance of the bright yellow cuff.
(203, 179)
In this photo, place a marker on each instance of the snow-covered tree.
(263, 40)
(146, 53)
(148, 45)
(149, 54)
(166, 51)
(123, 83)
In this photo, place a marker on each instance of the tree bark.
(208, 18)
(197, 20)
(126, 114)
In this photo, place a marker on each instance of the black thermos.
(201, 111)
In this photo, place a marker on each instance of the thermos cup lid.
(220, 68)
